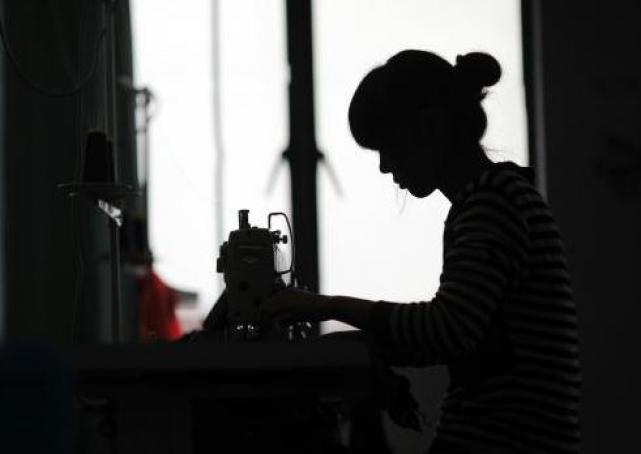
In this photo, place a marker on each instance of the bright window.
(375, 241)
(175, 49)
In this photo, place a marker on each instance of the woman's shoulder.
(513, 183)
(503, 178)
(505, 175)
(505, 184)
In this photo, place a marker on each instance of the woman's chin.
(420, 192)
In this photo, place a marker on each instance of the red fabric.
(156, 310)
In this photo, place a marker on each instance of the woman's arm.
(292, 305)
(482, 258)
(484, 255)
(353, 311)
(370, 317)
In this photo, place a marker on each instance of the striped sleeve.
(484, 253)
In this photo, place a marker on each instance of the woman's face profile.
(414, 159)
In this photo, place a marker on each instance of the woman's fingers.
(295, 305)
(275, 307)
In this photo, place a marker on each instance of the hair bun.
(478, 70)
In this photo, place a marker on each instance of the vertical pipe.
(3, 152)
(219, 164)
(114, 247)
(113, 80)
(302, 152)
(114, 234)
(534, 88)
(145, 156)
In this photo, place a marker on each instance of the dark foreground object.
(227, 397)
(36, 401)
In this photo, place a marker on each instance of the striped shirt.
(503, 320)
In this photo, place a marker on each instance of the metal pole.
(113, 83)
(114, 234)
(219, 146)
(146, 95)
(114, 247)
(534, 89)
(302, 152)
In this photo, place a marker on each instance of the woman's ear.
(435, 125)
(428, 115)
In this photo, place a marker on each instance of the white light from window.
(173, 55)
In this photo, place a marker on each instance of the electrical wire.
(56, 24)
(23, 75)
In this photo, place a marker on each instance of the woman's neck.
(459, 172)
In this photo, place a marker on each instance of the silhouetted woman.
(503, 319)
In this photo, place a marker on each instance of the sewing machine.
(247, 261)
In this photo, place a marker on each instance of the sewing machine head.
(248, 263)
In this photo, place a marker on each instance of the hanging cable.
(22, 74)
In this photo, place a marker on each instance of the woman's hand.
(295, 305)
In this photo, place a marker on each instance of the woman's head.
(420, 113)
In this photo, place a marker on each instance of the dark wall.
(591, 104)
(54, 45)
(40, 145)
